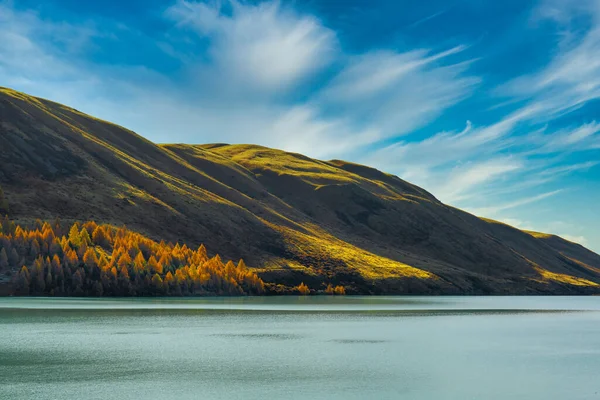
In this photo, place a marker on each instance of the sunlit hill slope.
(292, 219)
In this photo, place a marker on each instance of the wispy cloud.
(583, 137)
(567, 169)
(464, 178)
(31, 49)
(493, 211)
(426, 19)
(395, 93)
(572, 78)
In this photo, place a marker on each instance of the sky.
(490, 105)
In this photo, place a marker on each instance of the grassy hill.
(291, 218)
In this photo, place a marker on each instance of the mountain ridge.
(293, 218)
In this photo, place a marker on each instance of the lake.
(301, 347)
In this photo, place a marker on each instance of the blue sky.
(492, 106)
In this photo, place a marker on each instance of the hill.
(292, 218)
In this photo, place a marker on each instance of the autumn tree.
(155, 266)
(139, 263)
(99, 237)
(124, 260)
(339, 290)
(89, 258)
(98, 260)
(157, 284)
(303, 289)
(84, 237)
(74, 238)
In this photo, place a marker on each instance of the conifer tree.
(139, 262)
(74, 237)
(157, 283)
(35, 249)
(89, 258)
(13, 257)
(303, 289)
(99, 237)
(329, 289)
(3, 259)
(84, 236)
(3, 203)
(23, 281)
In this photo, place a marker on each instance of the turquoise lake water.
(301, 348)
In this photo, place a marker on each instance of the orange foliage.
(99, 260)
(339, 290)
(303, 289)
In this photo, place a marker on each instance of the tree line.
(88, 259)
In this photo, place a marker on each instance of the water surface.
(314, 347)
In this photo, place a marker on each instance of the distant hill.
(292, 218)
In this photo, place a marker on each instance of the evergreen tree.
(3, 259)
(3, 203)
(13, 257)
(23, 281)
(35, 249)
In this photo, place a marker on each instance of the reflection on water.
(315, 347)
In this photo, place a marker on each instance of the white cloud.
(397, 92)
(574, 238)
(264, 46)
(579, 138)
(22, 55)
(494, 210)
(572, 78)
(567, 169)
(447, 150)
(369, 74)
(463, 179)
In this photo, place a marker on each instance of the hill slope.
(291, 217)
